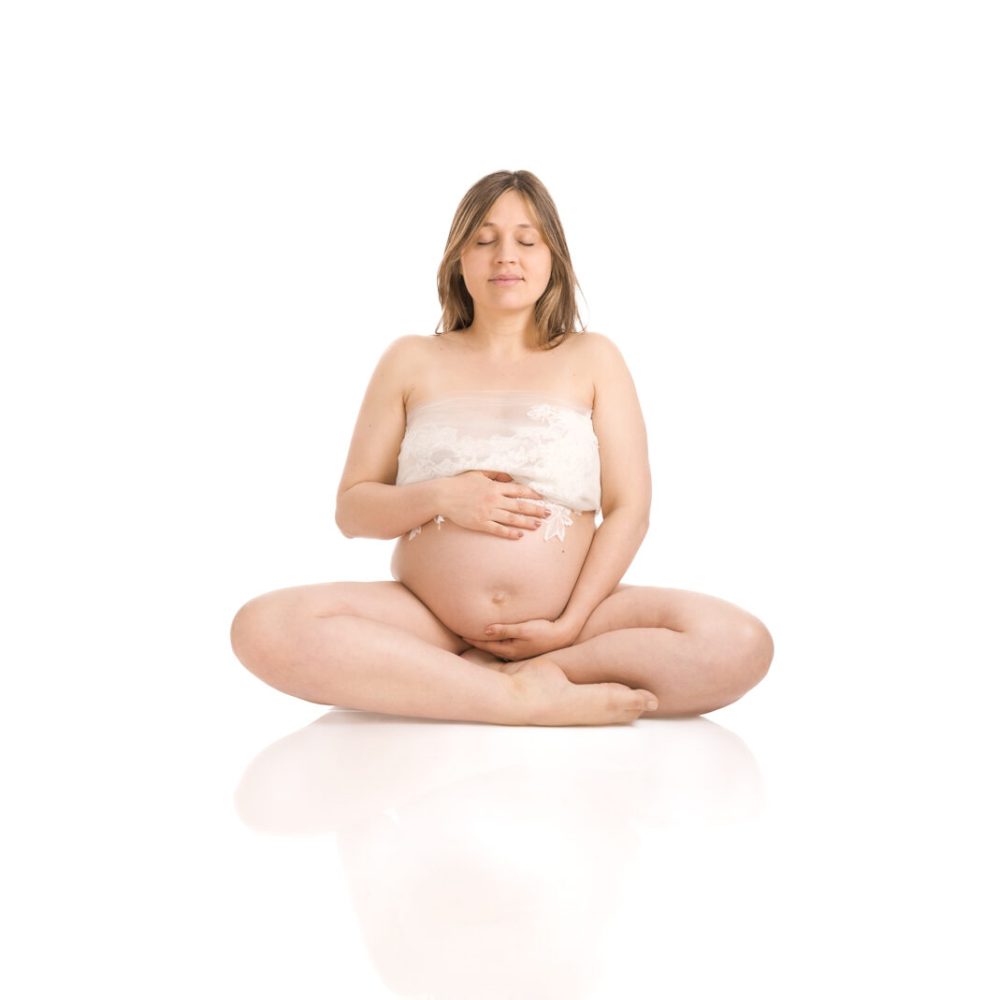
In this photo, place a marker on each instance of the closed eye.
(486, 243)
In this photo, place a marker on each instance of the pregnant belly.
(470, 579)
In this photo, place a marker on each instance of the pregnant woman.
(486, 450)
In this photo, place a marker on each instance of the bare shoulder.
(603, 359)
(403, 350)
(614, 387)
(597, 345)
(402, 361)
(419, 347)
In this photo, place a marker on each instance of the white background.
(216, 216)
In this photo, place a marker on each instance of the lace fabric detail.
(539, 441)
(439, 520)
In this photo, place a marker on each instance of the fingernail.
(651, 704)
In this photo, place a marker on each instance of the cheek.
(546, 269)
(472, 268)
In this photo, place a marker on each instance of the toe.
(629, 701)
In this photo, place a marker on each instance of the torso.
(471, 579)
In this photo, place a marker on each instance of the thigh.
(383, 601)
(699, 615)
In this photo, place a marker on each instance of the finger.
(524, 521)
(519, 490)
(514, 522)
(524, 509)
(494, 632)
(479, 642)
(495, 528)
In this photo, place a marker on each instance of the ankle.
(522, 703)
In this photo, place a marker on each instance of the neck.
(504, 336)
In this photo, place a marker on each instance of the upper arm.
(620, 429)
(381, 421)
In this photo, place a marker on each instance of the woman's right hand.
(485, 500)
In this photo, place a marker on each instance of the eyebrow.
(520, 225)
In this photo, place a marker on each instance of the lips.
(506, 279)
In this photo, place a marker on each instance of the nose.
(506, 250)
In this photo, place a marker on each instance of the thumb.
(494, 632)
(500, 477)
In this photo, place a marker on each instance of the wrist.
(569, 628)
(440, 493)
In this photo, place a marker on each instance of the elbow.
(341, 519)
(643, 528)
(642, 519)
(350, 528)
(638, 516)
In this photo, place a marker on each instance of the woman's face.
(507, 265)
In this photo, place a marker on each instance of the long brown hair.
(556, 312)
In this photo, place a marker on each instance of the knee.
(256, 631)
(752, 649)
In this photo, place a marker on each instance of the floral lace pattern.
(547, 445)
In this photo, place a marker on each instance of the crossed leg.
(695, 652)
(377, 646)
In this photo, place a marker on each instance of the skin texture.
(485, 621)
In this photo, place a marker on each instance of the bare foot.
(551, 699)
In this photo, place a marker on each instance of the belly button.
(499, 596)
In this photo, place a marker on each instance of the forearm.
(379, 510)
(611, 553)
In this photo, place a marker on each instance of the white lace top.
(541, 441)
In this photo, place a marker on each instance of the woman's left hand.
(520, 640)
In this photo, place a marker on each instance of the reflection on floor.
(467, 845)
